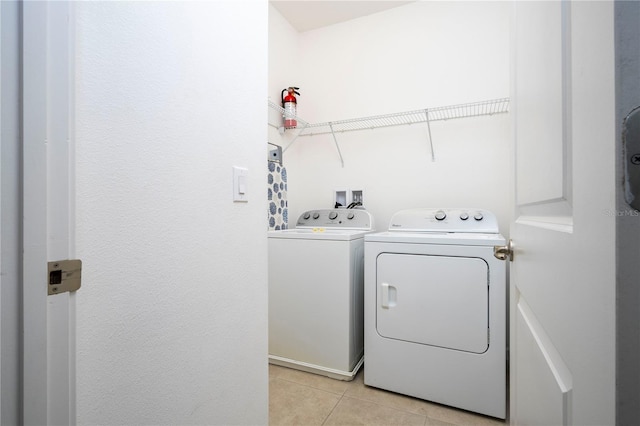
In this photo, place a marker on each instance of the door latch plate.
(64, 275)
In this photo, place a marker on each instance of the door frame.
(627, 220)
(48, 325)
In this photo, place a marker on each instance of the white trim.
(552, 223)
(1, 216)
(557, 366)
(34, 213)
(61, 308)
(48, 160)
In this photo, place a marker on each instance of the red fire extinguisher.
(289, 103)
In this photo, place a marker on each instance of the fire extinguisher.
(289, 103)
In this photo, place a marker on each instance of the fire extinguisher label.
(289, 115)
(289, 109)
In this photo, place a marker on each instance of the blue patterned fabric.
(277, 197)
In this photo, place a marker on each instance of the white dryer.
(436, 309)
(316, 292)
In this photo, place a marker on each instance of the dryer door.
(440, 301)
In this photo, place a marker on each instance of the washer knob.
(307, 215)
(350, 215)
(440, 215)
(333, 215)
(464, 216)
(316, 215)
(478, 216)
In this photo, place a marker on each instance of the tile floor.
(304, 399)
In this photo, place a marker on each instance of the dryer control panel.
(445, 220)
(336, 218)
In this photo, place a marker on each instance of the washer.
(316, 300)
(435, 309)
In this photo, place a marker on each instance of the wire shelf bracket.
(427, 115)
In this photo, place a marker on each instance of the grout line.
(341, 394)
(391, 404)
(333, 409)
(387, 407)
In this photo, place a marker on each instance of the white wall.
(422, 55)
(283, 60)
(172, 314)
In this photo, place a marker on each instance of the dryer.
(436, 309)
(316, 292)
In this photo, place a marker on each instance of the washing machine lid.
(318, 233)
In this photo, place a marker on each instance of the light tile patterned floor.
(304, 399)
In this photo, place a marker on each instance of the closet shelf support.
(336, 142)
(304, 126)
(433, 156)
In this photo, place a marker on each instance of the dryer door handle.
(389, 295)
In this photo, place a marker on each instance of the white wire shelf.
(427, 115)
(475, 109)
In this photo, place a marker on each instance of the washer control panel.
(336, 218)
(445, 220)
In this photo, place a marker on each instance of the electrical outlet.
(342, 197)
(346, 197)
(357, 196)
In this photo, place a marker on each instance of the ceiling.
(306, 15)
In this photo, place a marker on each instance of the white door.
(563, 275)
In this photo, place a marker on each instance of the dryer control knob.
(333, 215)
(350, 215)
(478, 216)
(316, 215)
(440, 215)
(464, 216)
(307, 215)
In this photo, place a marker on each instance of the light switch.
(240, 186)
